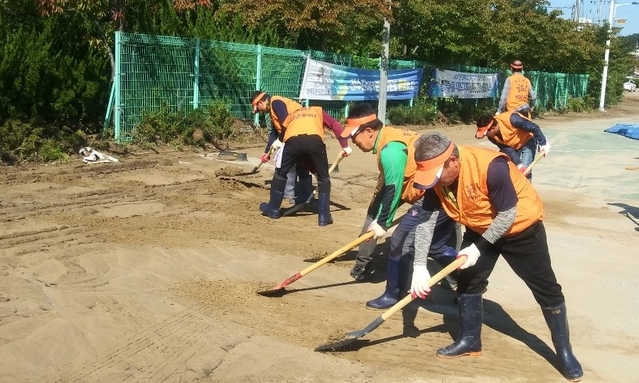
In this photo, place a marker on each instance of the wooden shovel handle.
(364, 237)
(529, 169)
(432, 281)
(340, 157)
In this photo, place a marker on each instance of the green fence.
(184, 74)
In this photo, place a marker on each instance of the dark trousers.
(528, 256)
(306, 148)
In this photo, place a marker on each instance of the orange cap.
(256, 100)
(429, 171)
(353, 125)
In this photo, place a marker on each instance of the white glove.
(277, 144)
(419, 286)
(347, 151)
(545, 148)
(497, 113)
(472, 255)
(377, 229)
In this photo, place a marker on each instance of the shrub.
(192, 127)
(423, 112)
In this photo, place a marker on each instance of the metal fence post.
(196, 75)
(258, 80)
(410, 103)
(118, 87)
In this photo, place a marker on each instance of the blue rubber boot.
(272, 208)
(468, 343)
(558, 325)
(324, 209)
(391, 294)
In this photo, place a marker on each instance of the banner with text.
(447, 83)
(325, 81)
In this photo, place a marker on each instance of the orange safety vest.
(519, 90)
(305, 121)
(291, 106)
(511, 136)
(472, 208)
(388, 134)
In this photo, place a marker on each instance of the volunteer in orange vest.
(302, 139)
(515, 136)
(517, 94)
(278, 108)
(394, 151)
(481, 189)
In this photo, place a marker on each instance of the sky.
(590, 10)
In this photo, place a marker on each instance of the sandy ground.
(146, 271)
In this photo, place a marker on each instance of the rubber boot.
(324, 209)
(468, 343)
(303, 189)
(272, 208)
(558, 325)
(391, 294)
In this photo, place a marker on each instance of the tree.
(107, 16)
(319, 24)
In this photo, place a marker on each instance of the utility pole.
(604, 76)
(577, 11)
(383, 71)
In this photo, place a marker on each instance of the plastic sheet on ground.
(626, 130)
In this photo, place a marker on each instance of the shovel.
(257, 168)
(355, 335)
(279, 288)
(302, 205)
(529, 169)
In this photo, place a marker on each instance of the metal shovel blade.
(275, 291)
(349, 338)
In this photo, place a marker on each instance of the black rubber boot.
(391, 294)
(324, 209)
(558, 325)
(468, 343)
(272, 208)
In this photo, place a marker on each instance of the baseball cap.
(353, 124)
(430, 170)
(256, 101)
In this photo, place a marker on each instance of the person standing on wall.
(517, 94)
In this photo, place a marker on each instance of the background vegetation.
(56, 56)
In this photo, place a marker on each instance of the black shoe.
(361, 272)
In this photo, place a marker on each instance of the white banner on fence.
(447, 83)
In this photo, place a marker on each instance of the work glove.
(265, 158)
(545, 148)
(347, 151)
(377, 229)
(277, 144)
(521, 168)
(472, 255)
(419, 286)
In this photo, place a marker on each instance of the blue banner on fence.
(325, 81)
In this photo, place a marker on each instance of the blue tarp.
(627, 130)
